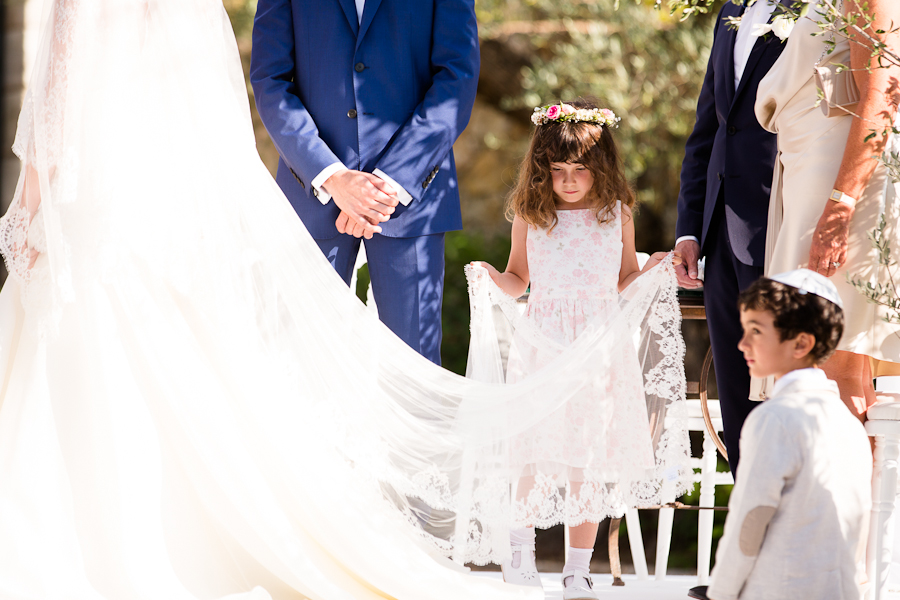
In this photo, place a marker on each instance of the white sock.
(579, 560)
(523, 536)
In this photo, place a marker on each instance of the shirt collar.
(811, 375)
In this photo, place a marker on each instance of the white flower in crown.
(566, 113)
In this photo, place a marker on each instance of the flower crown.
(562, 113)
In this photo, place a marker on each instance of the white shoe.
(521, 570)
(579, 586)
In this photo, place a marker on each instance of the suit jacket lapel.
(349, 7)
(757, 51)
(730, 39)
(367, 16)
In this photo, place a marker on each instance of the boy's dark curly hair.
(797, 313)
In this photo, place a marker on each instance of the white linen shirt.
(806, 461)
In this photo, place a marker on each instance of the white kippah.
(810, 282)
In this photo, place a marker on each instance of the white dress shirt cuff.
(402, 195)
(685, 238)
(322, 177)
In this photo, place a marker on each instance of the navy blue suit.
(391, 91)
(726, 179)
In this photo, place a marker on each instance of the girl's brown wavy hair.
(589, 144)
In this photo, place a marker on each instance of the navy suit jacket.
(392, 92)
(729, 148)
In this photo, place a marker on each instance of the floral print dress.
(580, 463)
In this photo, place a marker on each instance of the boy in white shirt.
(799, 509)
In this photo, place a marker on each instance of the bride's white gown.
(193, 405)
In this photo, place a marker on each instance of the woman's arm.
(879, 90)
(514, 281)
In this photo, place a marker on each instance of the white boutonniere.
(781, 26)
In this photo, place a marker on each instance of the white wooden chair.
(884, 425)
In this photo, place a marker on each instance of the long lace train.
(193, 405)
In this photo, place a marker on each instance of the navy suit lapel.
(729, 40)
(758, 49)
(349, 7)
(367, 16)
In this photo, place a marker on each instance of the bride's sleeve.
(36, 144)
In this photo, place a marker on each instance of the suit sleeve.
(272, 69)
(770, 457)
(427, 137)
(692, 195)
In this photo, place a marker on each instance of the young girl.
(573, 241)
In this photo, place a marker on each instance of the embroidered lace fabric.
(598, 454)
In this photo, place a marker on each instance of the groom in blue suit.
(364, 100)
(726, 179)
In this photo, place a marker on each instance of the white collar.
(810, 374)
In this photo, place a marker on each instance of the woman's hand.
(830, 240)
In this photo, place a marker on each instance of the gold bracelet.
(843, 198)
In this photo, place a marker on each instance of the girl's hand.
(658, 257)
(494, 273)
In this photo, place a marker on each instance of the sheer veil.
(178, 322)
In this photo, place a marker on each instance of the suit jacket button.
(315, 192)
(424, 185)
(721, 177)
(360, 67)
(732, 130)
(351, 113)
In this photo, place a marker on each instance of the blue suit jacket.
(392, 92)
(729, 148)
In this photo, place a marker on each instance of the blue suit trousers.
(407, 281)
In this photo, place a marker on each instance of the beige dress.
(810, 149)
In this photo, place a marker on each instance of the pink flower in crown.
(608, 114)
(567, 109)
(553, 112)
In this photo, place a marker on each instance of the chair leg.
(881, 525)
(707, 498)
(615, 564)
(636, 541)
(664, 534)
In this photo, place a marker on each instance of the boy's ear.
(804, 344)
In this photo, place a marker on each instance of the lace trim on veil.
(650, 306)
